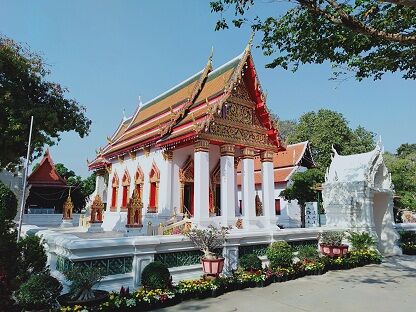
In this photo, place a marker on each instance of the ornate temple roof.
(285, 163)
(185, 111)
(45, 174)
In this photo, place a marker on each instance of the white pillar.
(267, 185)
(236, 203)
(100, 183)
(248, 187)
(227, 184)
(201, 183)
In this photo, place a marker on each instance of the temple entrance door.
(188, 200)
(218, 199)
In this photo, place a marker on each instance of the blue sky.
(108, 53)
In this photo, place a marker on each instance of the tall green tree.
(24, 92)
(326, 128)
(402, 167)
(366, 37)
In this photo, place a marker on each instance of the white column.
(248, 188)
(236, 202)
(227, 184)
(100, 183)
(169, 177)
(267, 185)
(201, 183)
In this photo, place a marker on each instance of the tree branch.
(408, 3)
(357, 26)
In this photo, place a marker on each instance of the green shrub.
(32, 257)
(407, 237)
(331, 238)
(250, 262)
(8, 204)
(82, 280)
(8, 247)
(156, 275)
(308, 252)
(280, 254)
(38, 292)
(361, 241)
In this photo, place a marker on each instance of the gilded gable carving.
(226, 131)
(239, 113)
(240, 91)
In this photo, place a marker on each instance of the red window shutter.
(277, 206)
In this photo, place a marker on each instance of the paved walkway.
(390, 286)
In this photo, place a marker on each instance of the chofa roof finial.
(250, 41)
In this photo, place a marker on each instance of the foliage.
(8, 247)
(250, 262)
(408, 242)
(195, 287)
(285, 127)
(208, 240)
(82, 280)
(302, 188)
(82, 188)
(402, 167)
(361, 241)
(366, 37)
(24, 92)
(38, 292)
(280, 254)
(331, 238)
(326, 128)
(308, 252)
(156, 275)
(32, 257)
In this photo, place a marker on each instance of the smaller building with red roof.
(47, 189)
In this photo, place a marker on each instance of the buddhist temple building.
(47, 189)
(179, 152)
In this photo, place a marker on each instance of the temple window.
(126, 187)
(154, 178)
(138, 181)
(114, 191)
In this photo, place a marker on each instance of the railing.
(168, 227)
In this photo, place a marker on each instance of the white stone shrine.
(358, 195)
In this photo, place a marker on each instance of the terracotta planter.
(333, 251)
(212, 267)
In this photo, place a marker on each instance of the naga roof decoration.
(191, 108)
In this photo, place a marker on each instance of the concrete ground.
(390, 286)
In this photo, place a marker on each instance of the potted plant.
(331, 244)
(80, 291)
(208, 240)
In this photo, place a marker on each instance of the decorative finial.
(334, 150)
(124, 115)
(250, 41)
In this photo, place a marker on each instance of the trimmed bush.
(156, 276)
(280, 254)
(408, 242)
(250, 262)
(38, 292)
(308, 252)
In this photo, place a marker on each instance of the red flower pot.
(212, 267)
(333, 251)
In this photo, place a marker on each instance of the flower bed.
(149, 299)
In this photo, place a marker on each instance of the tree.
(367, 37)
(402, 167)
(8, 247)
(285, 127)
(302, 189)
(81, 188)
(326, 128)
(24, 92)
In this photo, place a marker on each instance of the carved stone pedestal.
(95, 227)
(133, 230)
(66, 223)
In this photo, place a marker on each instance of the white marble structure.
(358, 195)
